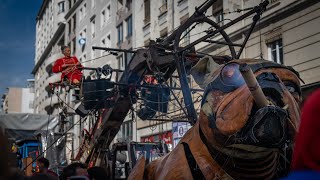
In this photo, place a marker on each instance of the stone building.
(287, 33)
(19, 100)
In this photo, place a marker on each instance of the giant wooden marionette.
(246, 126)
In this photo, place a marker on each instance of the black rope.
(96, 58)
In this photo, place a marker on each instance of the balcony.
(49, 103)
(122, 14)
(163, 9)
(146, 21)
(51, 60)
(60, 17)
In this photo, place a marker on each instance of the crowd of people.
(74, 171)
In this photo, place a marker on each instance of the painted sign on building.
(179, 129)
(166, 137)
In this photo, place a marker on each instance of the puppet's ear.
(203, 71)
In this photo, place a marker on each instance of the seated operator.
(69, 66)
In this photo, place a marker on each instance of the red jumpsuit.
(70, 72)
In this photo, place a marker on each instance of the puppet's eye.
(291, 89)
(231, 76)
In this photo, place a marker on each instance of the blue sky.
(17, 37)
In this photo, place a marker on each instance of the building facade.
(79, 24)
(50, 24)
(283, 35)
(19, 100)
(287, 33)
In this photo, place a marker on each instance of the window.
(146, 11)
(92, 3)
(74, 19)
(61, 7)
(217, 11)
(84, 9)
(69, 29)
(93, 24)
(146, 42)
(74, 46)
(83, 58)
(93, 53)
(108, 13)
(103, 18)
(126, 130)
(121, 62)
(108, 41)
(119, 4)
(128, 4)
(103, 44)
(275, 51)
(164, 33)
(69, 2)
(218, 16)
(129, 56)
(185, 36)
(80, 14)
(129, 26)
(83, 33)
(163, 7)
(120, 33)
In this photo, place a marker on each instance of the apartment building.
(90, 23)
(50, 30)
(19, 100)
(286, 34)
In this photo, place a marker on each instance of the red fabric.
(71, 72)
(306, 155)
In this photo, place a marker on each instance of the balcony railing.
(146, 21)
(163, 8)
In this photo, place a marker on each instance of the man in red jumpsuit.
(69, 66)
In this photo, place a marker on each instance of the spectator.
(43, 167)
(74, 169)
(4, 170)
(42, 176)
(98, 173)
